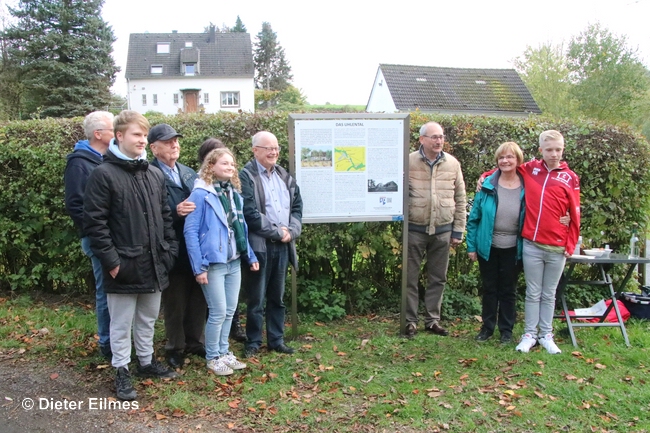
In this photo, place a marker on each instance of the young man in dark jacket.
(129, 223)
(183, 302)
(86, 156)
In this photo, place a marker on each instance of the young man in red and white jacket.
(552, 190)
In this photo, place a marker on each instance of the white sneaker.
(232, 362)
(548, 344)
(218, 367)
(527, 342)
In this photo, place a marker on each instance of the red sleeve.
(574, 212)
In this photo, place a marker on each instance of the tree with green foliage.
(272, 72)
(609, 79)
(239, 26)
(62, 52)
(545, 72)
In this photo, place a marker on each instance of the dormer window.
(190, 68)
(156, 69)
(162, 48)
(188, 44)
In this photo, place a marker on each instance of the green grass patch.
(357, 374)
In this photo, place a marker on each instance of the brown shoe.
(437, 329)
(411, 330)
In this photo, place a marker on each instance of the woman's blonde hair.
(211, 159)
(512, 147)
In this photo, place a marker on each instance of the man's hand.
(455, 242)
(185, 208)
(114, 271)
(286, 237)
(202, 278)
(255, 267)
(473, 256)
(566, 219)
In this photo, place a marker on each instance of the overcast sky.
(334, 47)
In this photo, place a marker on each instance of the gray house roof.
(217, 55)
(458, 90)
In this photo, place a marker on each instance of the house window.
(156, 69)
(188, 44)
(162, 48)
(206, 98)
(230, 99)
(189, 68)
(175, 98)
(155, 99)
(144, 99)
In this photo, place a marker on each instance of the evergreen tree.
(272, 72)
(62, 49)
(239, 26)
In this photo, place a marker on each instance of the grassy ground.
(357, 374)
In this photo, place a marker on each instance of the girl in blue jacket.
(217, 239)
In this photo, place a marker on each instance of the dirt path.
(22, 380)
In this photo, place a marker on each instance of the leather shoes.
(283, 348)
(198, 351)
(237, 332)
(411, 330)
(251, 352)
(437, 329)
(175, 359)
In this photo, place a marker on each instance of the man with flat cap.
(183, 302)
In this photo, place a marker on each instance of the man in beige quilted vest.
(437, 218)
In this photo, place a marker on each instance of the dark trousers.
(267, 284)
(185, 312)
(499, 275)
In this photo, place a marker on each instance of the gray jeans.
(542, 270)
(436, 248)
(139, 311)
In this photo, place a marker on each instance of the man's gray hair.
(423, 128)
(95, 121)
(259, 136)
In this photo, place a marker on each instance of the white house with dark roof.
(404, 88)
(190, 72)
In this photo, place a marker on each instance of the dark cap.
(162, 132)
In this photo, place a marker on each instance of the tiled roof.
(457, 89)
(230, 55)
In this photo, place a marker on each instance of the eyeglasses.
(507, 157)
(269, 149)
(104, 129)
(435, 137)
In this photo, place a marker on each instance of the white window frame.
(230, 99)
(206, 98)
(157, 69)
(155, 99)
(194, 69)
(176, 98)
(144, 99)
(163, 48)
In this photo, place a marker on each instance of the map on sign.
(351, 159)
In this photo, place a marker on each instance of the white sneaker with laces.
(527, 342)
(232, 362)
(547, 343)
(217, 366)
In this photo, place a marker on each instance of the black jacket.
(129, 223)
(175, 195)
(77, 170)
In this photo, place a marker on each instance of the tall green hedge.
(346, 268)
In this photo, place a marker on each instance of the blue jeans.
(267, 283)
(221, 294)
(101, 305)
(542, 270)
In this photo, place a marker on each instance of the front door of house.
(191, 98)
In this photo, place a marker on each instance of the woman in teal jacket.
(493, 238)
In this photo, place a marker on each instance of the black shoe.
(283, 348)
(411, 330)
(175, 358)
(437, 329)
(106, 353)
(155, 369)
(123, 386)
(251, 352)
(506, 337)
(198, 351)
(237, 332)
(483, 335)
